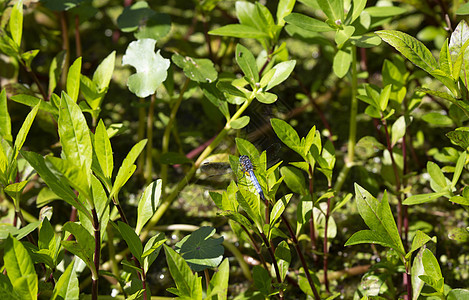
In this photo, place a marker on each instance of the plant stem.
(271, 250)
(312, 230)
(141, 134)
(256, 247)
(352, 125)
(325, 248)
(167, 133)
(149, 150)
(97, 252)
(301, 256)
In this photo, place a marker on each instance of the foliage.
(113, 114)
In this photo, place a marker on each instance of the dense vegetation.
(122, 127)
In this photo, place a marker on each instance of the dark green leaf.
(133, 15)
(156, 27)
(200, 250)
(132, 240)
(197, 69)
(262, 280)
(189, 285)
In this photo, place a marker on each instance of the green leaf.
(436, 175)
(246, 61)
(437, 119)
(15, 190)
(103, 150)
(307, 23)
(294, 179)
(431, 266)
(83, 238)
(197, 69)
(73, 80)
(398, 128)
(227, 87)
(385, 11)
(459, 137)
(378, 216)
(238, 31)
(246, 148)
(156, 27)
(357, 8)
(33, 101)
(333, 9)
(342, 62)
(5, 121)
(445, 63)
(460, 200)
(151, 67)
(132, 240)
(279, 208)
(127, 168)
(103, 74)
(344, 35)
(365, 41)
(459, 294)
(262, 280)
(254, 15)
(411, 48)
(282, 71)
(55, 70)
(460, 235)
(19, 265)
(423, 198)
(54, 182)
(218, 286)
(200, 250)
(287, 135)
(369, 237)
(132, 16)
(28, 57)
(74, 134)
(23, 132)
(420, 239)
(152, 249)
(463, 9)
(148, 204)
(266, 97)
(216, 97)
(283, 257)
(284, 9)
(240, 122)
(16, 22)
(416, 271)
(189, 285)
(458, 169)
(67, 285)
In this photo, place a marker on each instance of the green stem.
(141, 133)
(167, 132)
(170, 198)
(352, 125)
(149, 150)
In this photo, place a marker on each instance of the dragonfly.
(248, 164)
(248, 169)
